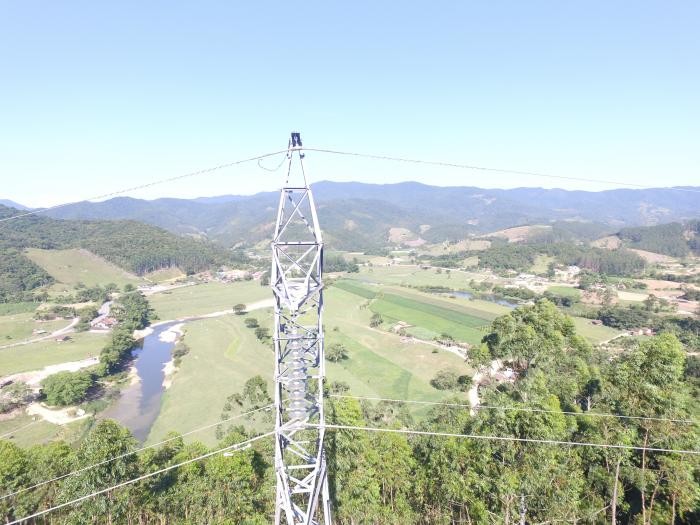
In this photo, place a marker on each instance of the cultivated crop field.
(432, 316)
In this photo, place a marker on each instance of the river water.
(139, 404)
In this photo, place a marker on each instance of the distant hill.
(133, 246)
(12, 204)
(359, 216)
(672, 239)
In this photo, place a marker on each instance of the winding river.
(139, 404)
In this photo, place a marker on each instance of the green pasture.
(206, 298)
(17, 308)
(594, 333)
(565, 291)
(25, 430)
(70, 267)
(380, 363)
(19, 327)
(541, 263)
(35, 356)
(166, 274)
(223, 355)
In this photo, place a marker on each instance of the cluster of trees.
(449, 379)
(338, 263)
(132, 312)
(674, 239)
(18, 276)
(503, 256)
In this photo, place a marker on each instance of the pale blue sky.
(97, 96)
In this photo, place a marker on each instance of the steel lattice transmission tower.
(297, 284)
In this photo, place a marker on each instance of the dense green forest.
(674, 239)
(133, 246)
(19, 275)
(389, 478)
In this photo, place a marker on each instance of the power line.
(484, 168)
(519, 409)
(146, 185)
(507, 438)
(126, 454)
(236, 446)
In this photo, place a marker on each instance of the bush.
(337, 352)
(376, 320)
(14, 395)
(251, 322)
(262, 333)
(180, 350)
(239, 309)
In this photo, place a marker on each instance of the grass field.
(414, 276)
(17, 308)
(541, 263)
(565, 291)
(594, 333)
(26, 431)
(224, 354)
(70, 267)
(38, 355)
(166, 274)
(380, 363)
(431, 316)
(18, 327)
(206, 298)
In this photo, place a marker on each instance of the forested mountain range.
(131, 245)
(359, 216)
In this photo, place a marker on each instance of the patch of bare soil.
(520, 233)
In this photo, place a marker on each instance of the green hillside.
(674, 239)
(132, 246)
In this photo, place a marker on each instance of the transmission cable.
(126, 454)
(503, 438)
(484, 168)
(518, 409)
(236, 446)
(146, 185)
